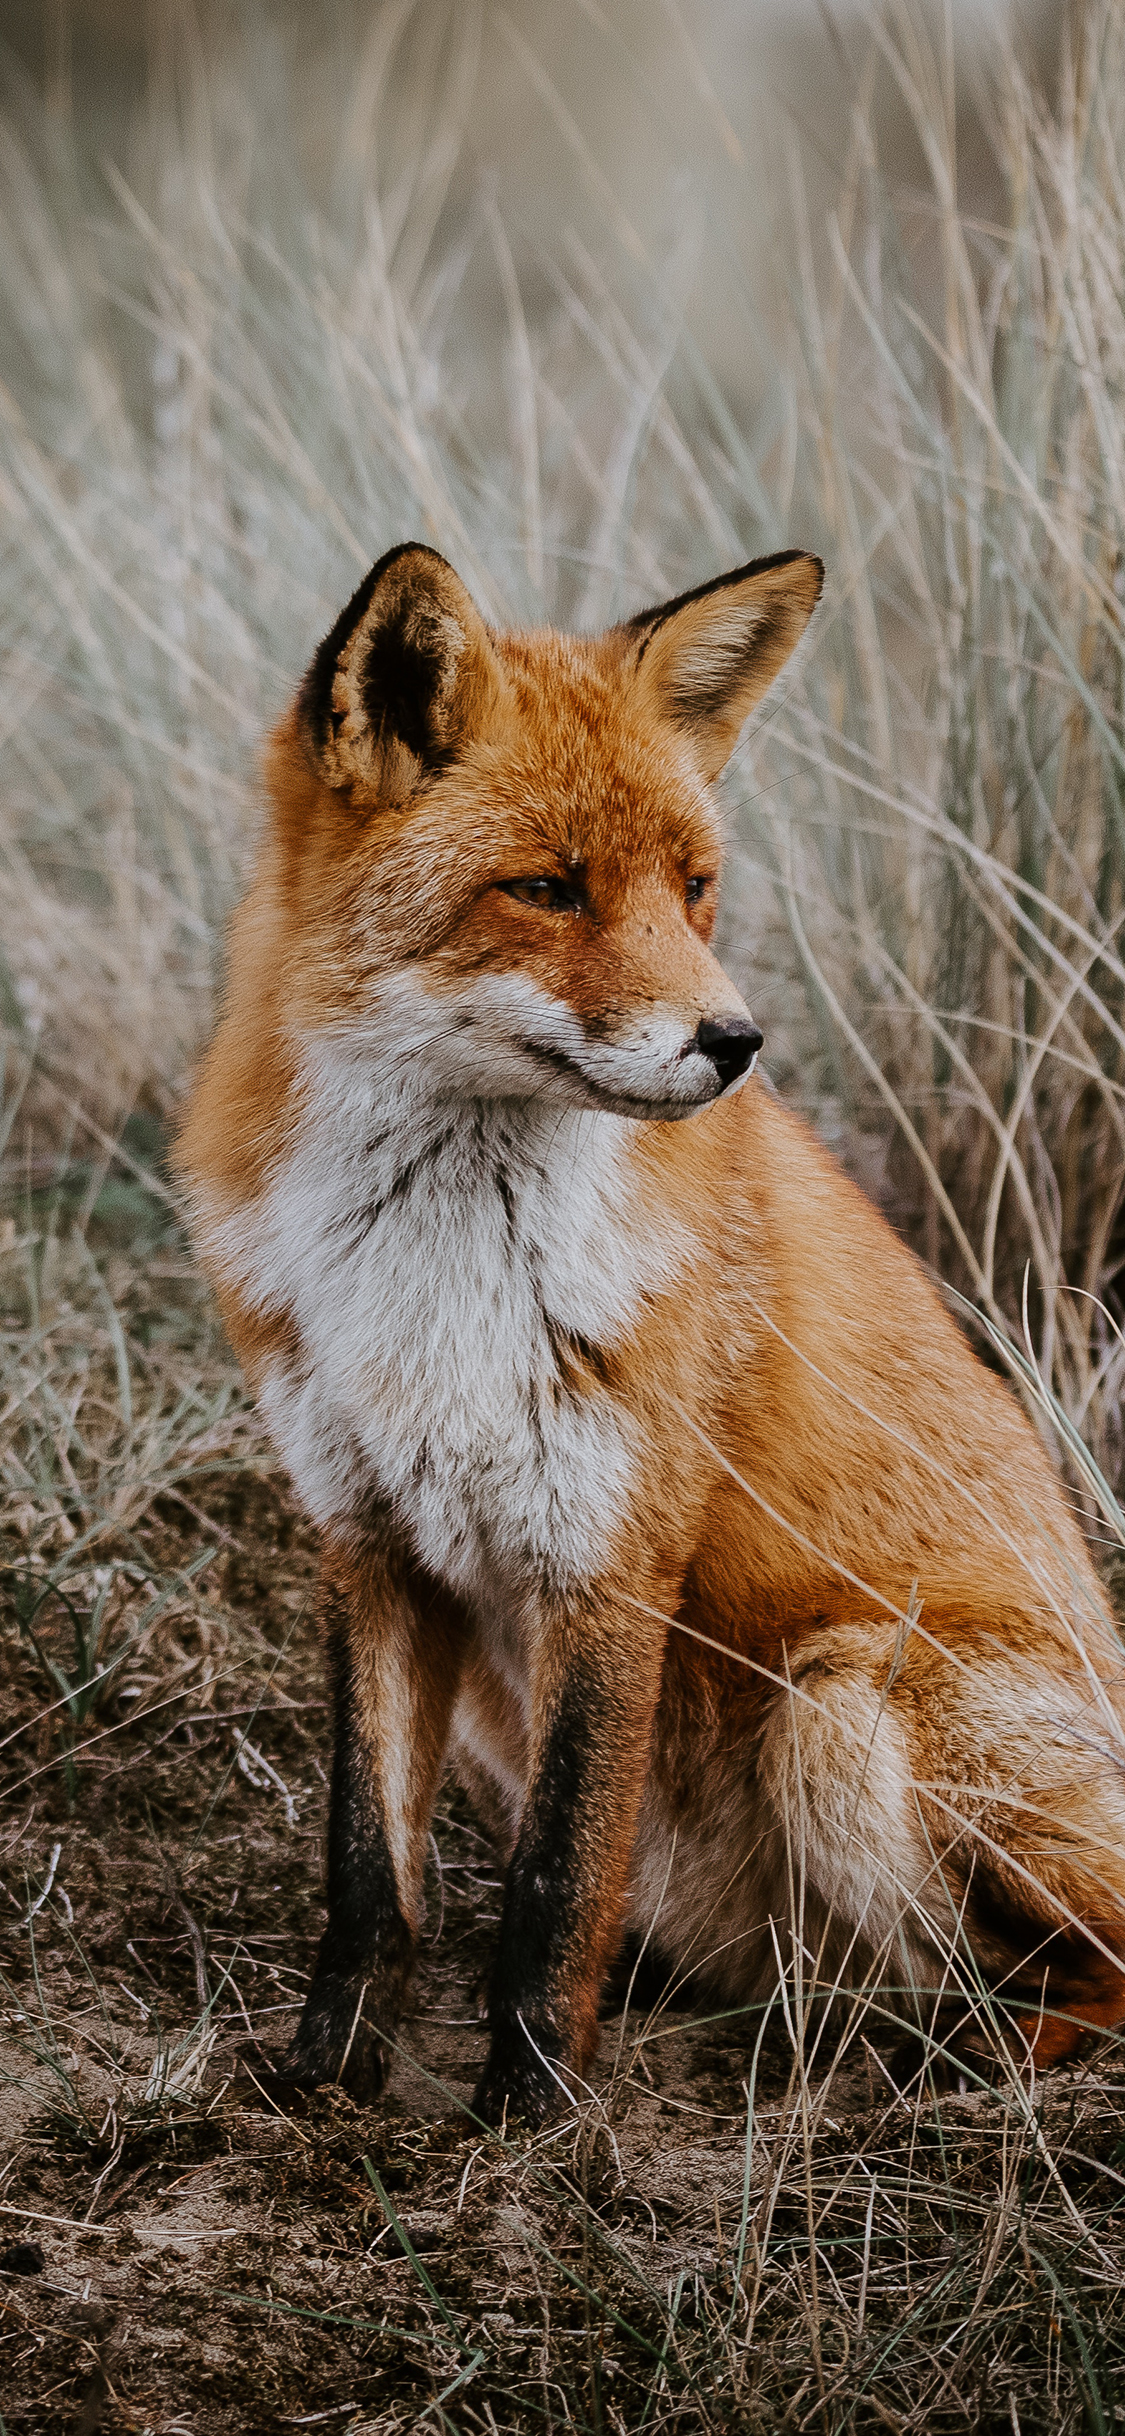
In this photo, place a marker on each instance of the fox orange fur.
(659, 1494)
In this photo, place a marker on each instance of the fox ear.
(704, 660)
(404, 681)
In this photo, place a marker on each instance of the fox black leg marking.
(542, 1901)
(565, 1887)
(366, 1951)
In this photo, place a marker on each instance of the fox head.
(502, 849)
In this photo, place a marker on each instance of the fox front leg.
(567, 1877)
(394, 1650)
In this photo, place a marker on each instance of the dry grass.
(223, 399)
(951, 856)
(220, 403)
(751, 2222)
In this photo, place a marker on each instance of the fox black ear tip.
(802, 569)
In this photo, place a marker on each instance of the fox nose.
(731, 1042)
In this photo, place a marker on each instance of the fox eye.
(697, 887)
(551, 894)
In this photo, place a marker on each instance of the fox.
(661, 1499)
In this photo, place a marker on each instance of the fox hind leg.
(955, 1831)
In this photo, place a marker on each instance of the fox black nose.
(732, 1043)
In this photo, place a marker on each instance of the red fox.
(660, 1496)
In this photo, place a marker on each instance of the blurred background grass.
(598, 299)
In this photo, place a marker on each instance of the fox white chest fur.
(450, 1269)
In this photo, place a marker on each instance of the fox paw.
(518, 2086)
(335, 2042)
